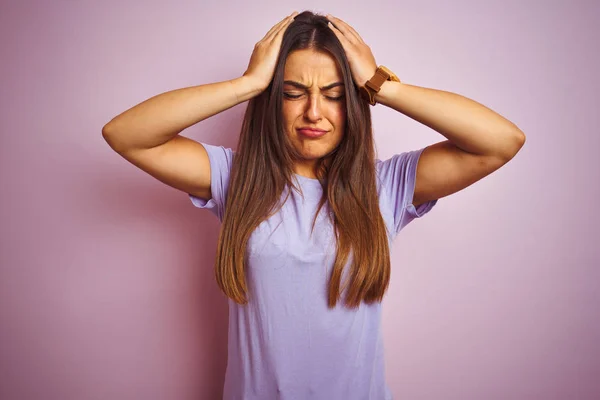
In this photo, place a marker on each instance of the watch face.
(384, 69)
(391, 75)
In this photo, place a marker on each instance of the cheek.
(290, 113)
(338, 117)
(292, 107)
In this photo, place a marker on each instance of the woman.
(311, 213)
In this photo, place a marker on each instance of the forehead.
(310, 65)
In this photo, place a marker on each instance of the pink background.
(107, 287)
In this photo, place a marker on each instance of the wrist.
(389, 90)
(246, 87)
(371, 88)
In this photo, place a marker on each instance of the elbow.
(109, 136)
(515, 144)
(107, 130)
(520, 137)
(520, 140)
(107, 133)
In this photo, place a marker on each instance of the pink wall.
(107, 288)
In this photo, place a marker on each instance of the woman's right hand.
(264, 57)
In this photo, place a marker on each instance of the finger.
(346, 29)
(274, 27)
(281, 25)
(343, 39)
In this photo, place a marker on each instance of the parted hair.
(263, 167)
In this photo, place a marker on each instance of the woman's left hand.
(361, 59)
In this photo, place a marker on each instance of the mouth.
(312, 133)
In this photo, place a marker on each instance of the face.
(314, 97)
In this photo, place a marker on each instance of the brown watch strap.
(373, 85)
(377, 80)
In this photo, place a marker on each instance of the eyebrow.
(301, 86)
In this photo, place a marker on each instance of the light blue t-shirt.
(285, 343)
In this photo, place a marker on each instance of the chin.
(316, 154)
(314, 149)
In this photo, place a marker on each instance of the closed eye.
(291, 96)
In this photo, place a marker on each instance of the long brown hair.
(263, 167)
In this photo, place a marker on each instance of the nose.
(313, 111)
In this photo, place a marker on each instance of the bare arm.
(147, 135)
(158, 119)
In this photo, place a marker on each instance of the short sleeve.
(397, 177)
(221, 160)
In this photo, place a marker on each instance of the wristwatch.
(373, 85)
